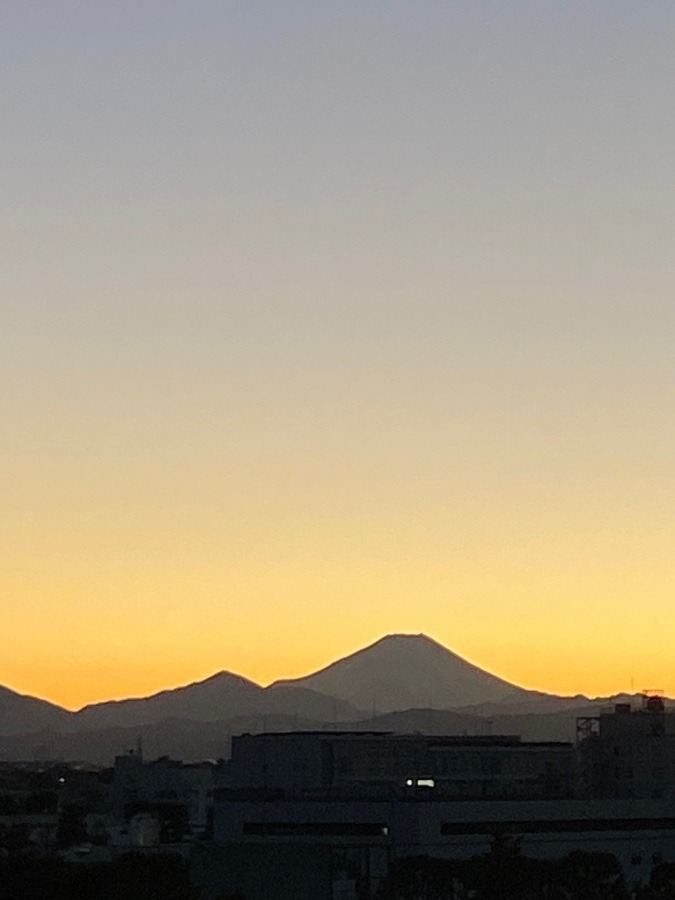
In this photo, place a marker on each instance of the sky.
(322, 321)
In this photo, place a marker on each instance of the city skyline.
(332, 321)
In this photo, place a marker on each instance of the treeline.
(505, 872)
(129, 877)
(502, 873)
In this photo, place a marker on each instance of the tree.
(661, 883)
(589, 876)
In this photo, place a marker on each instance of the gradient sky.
(324, 320)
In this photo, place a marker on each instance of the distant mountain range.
(400, 683)
(19, 712)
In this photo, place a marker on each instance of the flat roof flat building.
(381, 765)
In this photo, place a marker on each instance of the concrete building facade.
(361, 800)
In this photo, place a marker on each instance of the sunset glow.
(332, 324)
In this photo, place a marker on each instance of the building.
(352, 801)
(381, 765)
(325, 813)
(628, 753)
(162, 785)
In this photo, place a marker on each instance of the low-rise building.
(629, 753)
(380, 765)
(137, 786)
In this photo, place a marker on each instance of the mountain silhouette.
(218, 697)
(402, 671)
(20, 713)
(222, 696)
(401, 683)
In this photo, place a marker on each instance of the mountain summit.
(222, 696)
(403, 671)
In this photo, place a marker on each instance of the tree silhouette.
(661, 884)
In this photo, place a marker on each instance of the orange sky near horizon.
(91, 682)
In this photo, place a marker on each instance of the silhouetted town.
(352, 815)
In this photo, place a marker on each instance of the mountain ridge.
(394, 674)
(18, 710)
